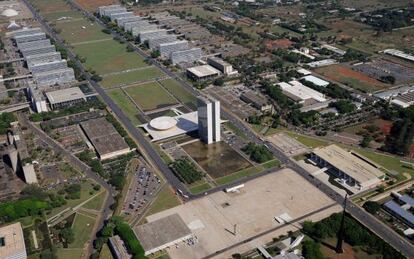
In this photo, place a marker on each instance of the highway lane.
(369, 221)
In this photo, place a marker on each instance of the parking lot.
(142, 189)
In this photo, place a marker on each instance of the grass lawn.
(96, 203)
(86, 187)
(200, 188)
(69, 253)
(82, 228)
(130, 77)
(150, 96)
(389, 162)
(180, 93)
(166, 199)
(270, 164)
(80, 31)
(52, 17)
(126, 105)
(238, 175)
(105, 253)
(108, 56)
(307, 141)
(50, 6)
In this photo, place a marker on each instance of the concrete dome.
(163, 123)
(9, 13)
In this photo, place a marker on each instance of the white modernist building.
(209, 120)
(315, 80)
(300, 93)
(189, 55)
(224, 67)
(167, 127)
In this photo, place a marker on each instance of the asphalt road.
(361, 215)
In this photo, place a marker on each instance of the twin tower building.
(209, 119)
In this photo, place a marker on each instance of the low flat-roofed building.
(65, 97)
(400, 212)
(162, 233)
(202, 72)
(105, 139)
(301, 93)
(303, 72)
(258, 101)
(12, 244)
(322, 63)
(404, 100)
(315, 80)
(399, 54)
(353, 169)
(334, 49)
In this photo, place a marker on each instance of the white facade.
(209, 120)
(167, 48)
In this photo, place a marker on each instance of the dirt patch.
(349, 77)
(92, 5)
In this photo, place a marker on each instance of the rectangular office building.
(147, 34)
(31, 37)
(115, 16)
(107, 10)
(122, 21)
(37, 51)
(209, 120)
(189, 55)
(43, 58)
(167, 48)
(61, 76)
(154, 43)
(130, 25)
(33, 44)
(27, 31)
(136, 30)
(49, 66)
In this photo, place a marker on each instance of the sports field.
(180, 93)
(125, 104)
(80, 30)
(351, 78)
(150, 96)
(134, 76)
(108, 56)
(82, 228)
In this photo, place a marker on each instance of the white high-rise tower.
(209, 120)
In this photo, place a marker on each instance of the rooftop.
(183, 124)
(204, 70)
(65, 95)
(316, 80)
(352, 164)
(162, 231)
(13, 241)
(301, 92)
(104, 136)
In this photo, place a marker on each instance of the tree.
(366, 140)
(68, 235)
(258, 153)
(311, 250)
(372, 207)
